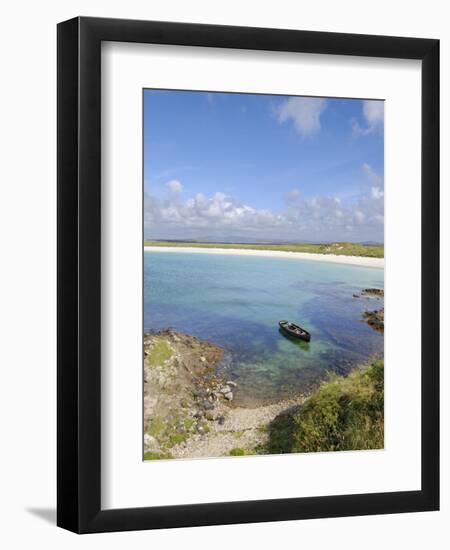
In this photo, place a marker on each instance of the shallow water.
(237, 301)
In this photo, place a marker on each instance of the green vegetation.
(188, 423)
(157, 456)
(237, 452)
(343, 248)
(175, 439)
(205, 427)
(159, 353)
(156, 426)
(343, 414)
(168, 433)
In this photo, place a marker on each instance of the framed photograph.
(248, 260)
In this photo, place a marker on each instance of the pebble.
(232, 384)
(150, 443)
(225, 390)
(229, 396)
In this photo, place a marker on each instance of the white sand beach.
(331, 258)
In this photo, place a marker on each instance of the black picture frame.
(79, 280)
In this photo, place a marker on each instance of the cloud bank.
(223, 217)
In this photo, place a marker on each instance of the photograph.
(263, 274)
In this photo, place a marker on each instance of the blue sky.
(223, 166)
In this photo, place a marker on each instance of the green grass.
(343, 414)
(237, 452)
(176, 438)
(156, 426)
(168, 432)
(340, 248)
(159, 353)
(188, 423)
(157, 456)
(205, 427)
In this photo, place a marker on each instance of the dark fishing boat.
(294, 330)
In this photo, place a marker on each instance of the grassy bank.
(343, 414)
(340, 249)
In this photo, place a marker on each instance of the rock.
(221, 420)
(150, 402)
(203, 359)
(372, 292)
(210, 415)
(355, 295)
(207, 405)
(225, 390)
(229, 396)
(375, 319)
(232, 384)
(199, 414)
(150, 443)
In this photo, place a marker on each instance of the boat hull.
(297, 333)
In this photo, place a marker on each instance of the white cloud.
(221, 216)
(373, 113)
(200, 211)
(377, 192)
(305, 113)
(174, 186)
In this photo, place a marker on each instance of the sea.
(236, 301)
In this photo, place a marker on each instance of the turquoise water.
(237, 301)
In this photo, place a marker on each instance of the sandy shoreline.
(330, 258)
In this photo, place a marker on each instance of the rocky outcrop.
(183, 394)
(375, 319)
(369, 293)
(378, 292)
